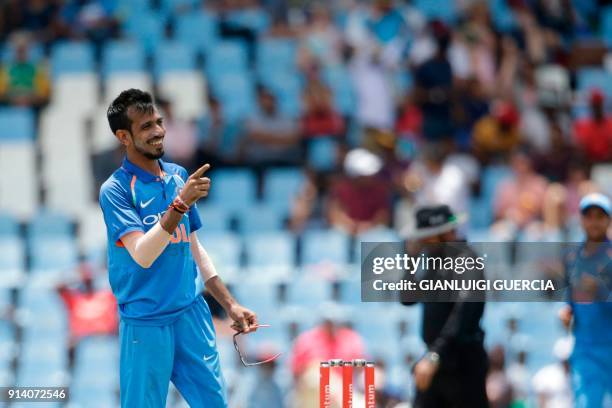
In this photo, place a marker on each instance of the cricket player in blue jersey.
(166, 331)
(589, 309)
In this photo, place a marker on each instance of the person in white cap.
(589, 309)
(361, 200)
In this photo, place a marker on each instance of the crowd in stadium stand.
(498, 109)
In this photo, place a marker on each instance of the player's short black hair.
(117, 112)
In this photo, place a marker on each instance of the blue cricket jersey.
(592, 319)
(133, 199)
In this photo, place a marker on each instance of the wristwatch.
(433, 357)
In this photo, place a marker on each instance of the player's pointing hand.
(196, 186)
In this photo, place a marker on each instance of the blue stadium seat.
(178, 7)
(350, 291)
(234, 189)
(309, 291)
(171, 56)
(224, 249)
(322, 153)
(53, 253)
(236, 93)
(101, 352)
(502, 15)
(325, 246)
(492, 176)
(606, 25)
(72, 58)
(341, 85)
(281, 186)
(147, 28)
(16, 125)
(261, 296)
(13, 255)
(49, 224)
(227, 57)
(378, 234)
(259, 218)
(198, 30)
(254, 19)
(270, 249)
(276, 55)
(215, 218)
(589, 78)
(8, 225)
(36, 53)
(123, 56)
(437, 9)
(374, 328)
(481, 213)
(287, 88)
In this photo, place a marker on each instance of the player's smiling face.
(147, 133)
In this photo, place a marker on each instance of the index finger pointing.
(198, 173)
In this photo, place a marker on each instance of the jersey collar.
(142, 174)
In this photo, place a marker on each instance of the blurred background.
(326, 124)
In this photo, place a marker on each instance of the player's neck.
(150, 165)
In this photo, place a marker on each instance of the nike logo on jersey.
(146, 204)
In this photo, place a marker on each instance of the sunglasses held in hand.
(242, 356)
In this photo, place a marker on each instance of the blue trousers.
(592, 376)
(183, 352)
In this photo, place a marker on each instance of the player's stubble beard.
(141, 148)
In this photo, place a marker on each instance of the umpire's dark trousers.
(459, 381)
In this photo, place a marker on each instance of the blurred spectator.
(499, 388)
(434, 87)
(37, 17)
(359, 201)
(473, 105)
(319, 117)
(551, 383)
(211, 129)
(91, 311)
(23, 81)
(271, 137)
(331, 339)
(518, 200)
(180, 144)
(594, 134)
(473, 55)
(91, 19)
(386, 22)
(496, 134)
(519, 376)
(259, 388)
(321, 41)
(440, 178)
(370, 77)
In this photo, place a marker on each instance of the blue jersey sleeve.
(195, 222)
(120, 215)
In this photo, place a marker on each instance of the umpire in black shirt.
(452, 374)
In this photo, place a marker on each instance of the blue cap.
(595, 200)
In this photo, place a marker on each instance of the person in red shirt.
(360, 200)
(331, 339)
(90, 311)
(320, 117)
(594, 134)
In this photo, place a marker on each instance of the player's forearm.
(201, 258)
(217, 288)
(146, 248)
